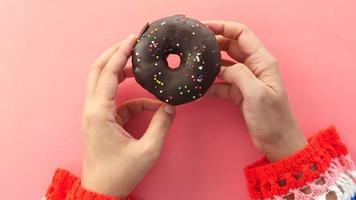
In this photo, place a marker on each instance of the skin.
(253, 82)
(114, 162)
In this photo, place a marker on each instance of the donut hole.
(173, 61)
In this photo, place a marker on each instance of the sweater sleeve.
(322, 170)
(66, 186)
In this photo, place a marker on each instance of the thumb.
(160, 123)
(240, 75)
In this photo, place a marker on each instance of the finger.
(125, 73)
(225, 62)
(109, 77)
(270, 78)
(97, 66)
(239, 75)
(226, 91)
(159, 126)
(221, 90)
(128, 71)
(246, 48)
(135, 106)
(232, 30)
(231, 47)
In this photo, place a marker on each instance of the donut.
(199, 54)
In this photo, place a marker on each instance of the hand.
(253, 82)
(114, 162)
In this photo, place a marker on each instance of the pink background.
(46, 47)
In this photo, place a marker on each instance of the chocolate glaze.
(198, 50)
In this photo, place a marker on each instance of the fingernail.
(169, 109)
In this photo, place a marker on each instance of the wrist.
(103, 183)
(290, 142)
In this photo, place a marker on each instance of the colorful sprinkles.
(193, 77)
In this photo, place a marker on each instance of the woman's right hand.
(115, 162)
(253, 83)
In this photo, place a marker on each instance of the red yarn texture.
(66, 186)
(265, 179)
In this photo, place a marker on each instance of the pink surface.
(46, 47)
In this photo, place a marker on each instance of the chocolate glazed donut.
(198, 51)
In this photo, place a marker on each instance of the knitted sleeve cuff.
(67, 186)
(307, 173)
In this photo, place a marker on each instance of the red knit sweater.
(322, 169)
